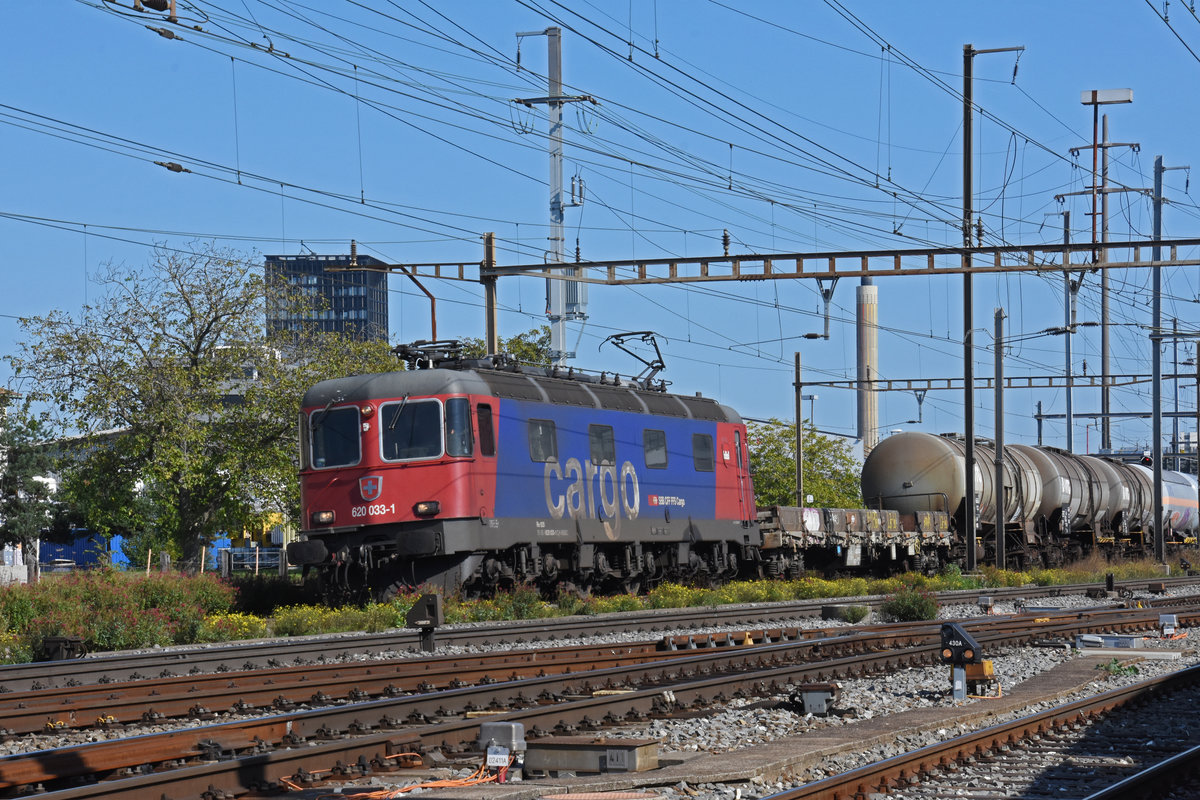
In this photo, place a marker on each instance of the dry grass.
(1095, 567)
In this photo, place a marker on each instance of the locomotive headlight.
(427, 508)
(322, 517)
(367, 410)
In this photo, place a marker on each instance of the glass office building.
(352, 301)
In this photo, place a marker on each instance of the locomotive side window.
(487, 434)
(604, 449)
(702, 452)
(411, 429)
(655, 445)
(335, 437)
(458, 427)
(543, 440)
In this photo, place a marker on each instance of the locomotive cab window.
(702, 452)
(543, 440)
(458, 427)
(655, 445)
(335, 436)
(487, 433)
(603, 448)
(411, 429)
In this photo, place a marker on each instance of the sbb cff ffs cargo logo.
(370, 487)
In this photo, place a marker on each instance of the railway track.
(207, 696)
(367, 736)
(115, 668)
(1136, 742)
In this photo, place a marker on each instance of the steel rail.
(1153, 782)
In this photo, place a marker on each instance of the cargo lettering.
(616, 492)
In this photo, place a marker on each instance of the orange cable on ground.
(476, 778)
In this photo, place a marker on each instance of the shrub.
(474, 611)
(295, 620)
(669, 595)
(16, 606)
(910, 604)
(403, 603)
(855, 614)
(886, 586)
(111, 610)
(380, 617)
(812, 588)
(1116, 669)
(951, 577)
(231, 627)
(14, 648)
(754, 592)
(523, 602)
(619, 602)
(570, 604)
(181, 602)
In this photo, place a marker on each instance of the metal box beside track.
(557, 754)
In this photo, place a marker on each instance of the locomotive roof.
(516, 386)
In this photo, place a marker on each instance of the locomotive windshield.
(335, 437)
(411, 429)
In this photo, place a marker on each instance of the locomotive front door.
(745, 502)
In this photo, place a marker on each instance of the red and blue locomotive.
(476, 474)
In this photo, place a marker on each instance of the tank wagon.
(1055, 505)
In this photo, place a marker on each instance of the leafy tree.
(27, 505)
(831, 473)
(530, 347)
(186, 404)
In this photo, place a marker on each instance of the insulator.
(725, 241)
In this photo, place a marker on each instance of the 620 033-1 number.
(373, 510)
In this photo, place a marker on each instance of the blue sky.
(800, 126)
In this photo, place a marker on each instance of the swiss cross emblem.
(370, 487)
